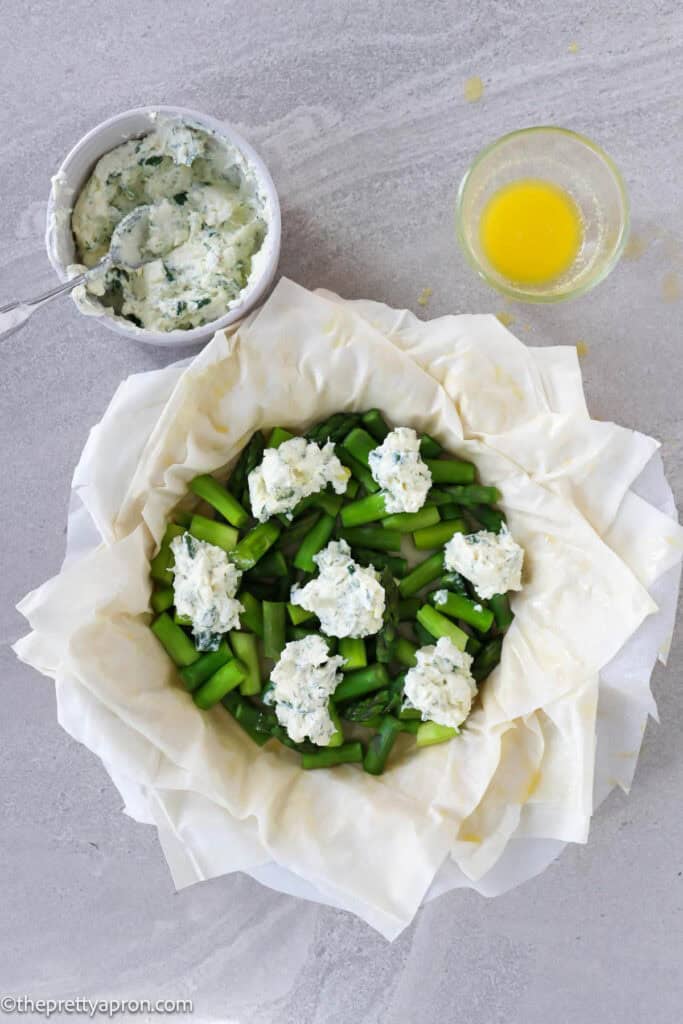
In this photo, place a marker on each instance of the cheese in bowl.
(206, 224)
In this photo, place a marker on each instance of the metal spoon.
(126, 249)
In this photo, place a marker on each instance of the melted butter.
(671, 287)
(474, 89)
(531, 231)
(506, 319)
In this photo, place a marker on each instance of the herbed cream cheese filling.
(207, 222)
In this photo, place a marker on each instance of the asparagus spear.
(235, 705)
(359, 444)
(249, 458)
(212, 492)
(361, 681)
(278, 436)
(388, 635)
(491, 519)
(272, 564)
(381, 560)
(333, 429)
(502, 612)
(407, 609)
(438, 625)
(359, 471)
(225, 679)
(437, 536)
(162, 564)
(246, 648)
(409, 522)
(430, 733)
(424, 573)
(273, 629)
(373, 537)
(326, 757)
(178, 645)
(373, 421)
(219, 534)
(458, 607)
(366, 709)
(429, 448)
(451, 471)
(298, 615)
(487, 659)
(405, 652)
(199, 671)
(161, 599)
(314, 542)
(474, 494)
(380, 745)
(352, 649)
(365, 510)
(254, 545)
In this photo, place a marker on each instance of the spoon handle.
(23, 308)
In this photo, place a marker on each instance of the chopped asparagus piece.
(373, 537)
(209, 530)
(254, 545)
(352, 649)
(217, 496)
(374, 423)
(451, 471)
(246, 648)
(313, 543)
(278, 436)
(437, 536)
(438, 625)
(361, 681)
(380, 745)
(227, 678)
(202, 669)
(273, 629)
(424, 573)
(409, 522)
(458, 607)
(430, 733)
(178, 645)
(326, 757)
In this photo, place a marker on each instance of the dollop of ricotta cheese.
(207, 221)
(204, 586)
(304, 679)
(291, 472)
(348, 598)
(397, 466)
(492, 562)
(441, 686)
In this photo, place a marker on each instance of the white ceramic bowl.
(74, 173)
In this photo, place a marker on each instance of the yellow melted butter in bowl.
(542, 214)
(531, 231)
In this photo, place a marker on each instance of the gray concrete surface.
(359, 109)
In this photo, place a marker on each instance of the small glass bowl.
(571, 162)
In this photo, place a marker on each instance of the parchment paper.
(587, 500)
